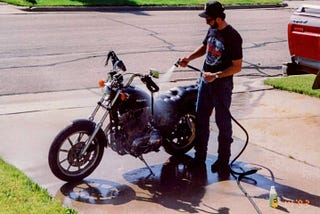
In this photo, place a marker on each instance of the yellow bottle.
(273, 197)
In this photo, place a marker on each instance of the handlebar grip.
(121, 65)
(151, 85)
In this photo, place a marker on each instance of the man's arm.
(231, 70)
(200, 51)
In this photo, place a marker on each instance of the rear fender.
(100, 135)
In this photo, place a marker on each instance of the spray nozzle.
(177, 63)
(252, 171)
(246, 173)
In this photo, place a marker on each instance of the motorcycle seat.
(178, 92)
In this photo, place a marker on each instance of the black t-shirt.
(223, 46)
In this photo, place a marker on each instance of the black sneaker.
(220, 166)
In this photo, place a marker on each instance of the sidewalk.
(9, 9)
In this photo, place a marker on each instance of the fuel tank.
(137, 99)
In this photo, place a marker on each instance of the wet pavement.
(283, 143)
(283, 129)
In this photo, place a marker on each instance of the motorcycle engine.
(133, 125)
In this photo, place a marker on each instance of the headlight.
(105, 87)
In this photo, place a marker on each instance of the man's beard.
(215, 26)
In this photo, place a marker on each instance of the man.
(222, 48)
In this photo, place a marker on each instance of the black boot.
(220, 166)
(198, 161)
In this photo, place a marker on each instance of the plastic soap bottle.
(273, 197)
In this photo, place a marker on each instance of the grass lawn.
(130, 2)
(300, 84)
(19, 194)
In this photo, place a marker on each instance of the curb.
(140, 8)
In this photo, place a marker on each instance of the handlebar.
(151, 85)
(117, 78)
(146, 79)
(116, 62)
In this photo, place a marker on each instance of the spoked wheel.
(66, 160)
(181, 139)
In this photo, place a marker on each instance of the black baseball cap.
(213, 9)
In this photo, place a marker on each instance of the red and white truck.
(304, 41)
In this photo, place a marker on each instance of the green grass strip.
(19, 194)
(300, 84)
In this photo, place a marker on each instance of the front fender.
(92, 125)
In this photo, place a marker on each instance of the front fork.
(98, 126)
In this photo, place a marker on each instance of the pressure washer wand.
(194, 68)
(189, 66)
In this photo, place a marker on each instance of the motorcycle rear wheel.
(64, 158)
(181, 139)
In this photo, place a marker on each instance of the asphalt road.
(63, 53)
(42, 52)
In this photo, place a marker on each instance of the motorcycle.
(127, 119)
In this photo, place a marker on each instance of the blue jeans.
(216, 95)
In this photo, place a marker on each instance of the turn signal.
(101, 83)
(124, 96)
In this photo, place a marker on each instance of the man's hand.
(183, 62)
(209, 77)
(231, 70)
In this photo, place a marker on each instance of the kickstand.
(144, 161)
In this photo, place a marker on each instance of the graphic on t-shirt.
(215, 48)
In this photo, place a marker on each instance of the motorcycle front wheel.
(65, 159)
(181, 139)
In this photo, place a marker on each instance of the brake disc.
(74, 155)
